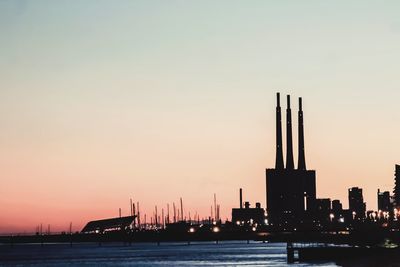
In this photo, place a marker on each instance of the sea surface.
(225, 253)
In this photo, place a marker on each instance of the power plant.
(291, 192)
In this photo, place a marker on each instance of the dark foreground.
(226, 253)
(223, 253)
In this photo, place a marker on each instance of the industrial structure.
(112, 224)
(291, 192)
(247, 215)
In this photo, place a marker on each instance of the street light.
(215, 229)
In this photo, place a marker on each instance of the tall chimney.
(279, 153)
(302, 159)
(241, 198)
(289, 145)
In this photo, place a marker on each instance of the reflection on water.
(227, 253)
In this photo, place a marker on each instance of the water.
(226, 253)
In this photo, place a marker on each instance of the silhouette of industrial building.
(247, 215)
(291, 201)
(291, 192)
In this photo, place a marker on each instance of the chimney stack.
(241, 198)
(279, 153)
(289, 145)
(302, 159)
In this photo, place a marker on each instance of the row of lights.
(215, 229)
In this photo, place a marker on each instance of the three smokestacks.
(279, 164)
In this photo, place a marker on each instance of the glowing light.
(341, 220)
(354, 214)
(215, 229)
(254, 229)
(191, 230)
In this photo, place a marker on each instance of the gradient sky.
(101, 101)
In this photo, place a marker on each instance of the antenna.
(131, 207)
(168, 213)
(215, 206)
(156, 217)
(173, 203)
(163, 219)
(138, 214)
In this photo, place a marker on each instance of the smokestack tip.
(288, 101)
(300, 104)
(278, 102)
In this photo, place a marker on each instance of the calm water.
(227, 253)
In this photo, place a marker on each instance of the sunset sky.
(103, 101)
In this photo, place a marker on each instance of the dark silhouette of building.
(396, 191)
(290, 192)
(322, 209)
(337, 207)
(112, 224)
(356, 203)
(338, 212)
(323, 205)
(247, 215)
(384, 201)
